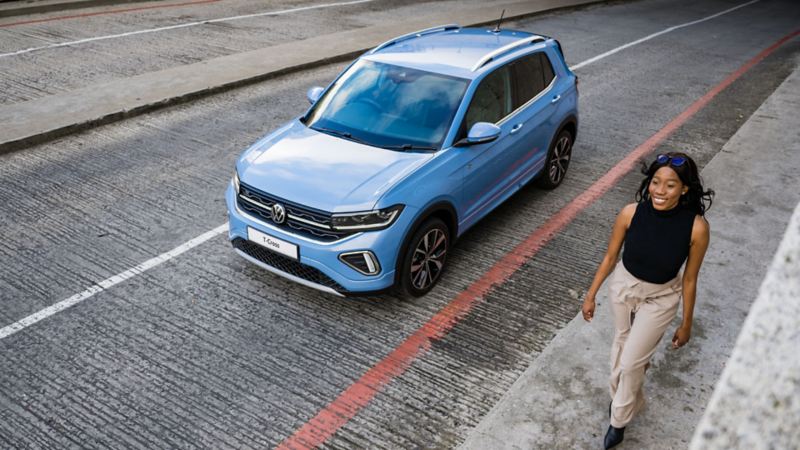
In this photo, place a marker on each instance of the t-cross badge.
(415, 142)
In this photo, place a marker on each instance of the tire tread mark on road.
(41, 418)
(19, 419)
(66, 395)
(160, 366)
(137, 430)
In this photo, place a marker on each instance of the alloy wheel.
(560, 159)
(428, 259)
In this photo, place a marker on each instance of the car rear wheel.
(558, 157)
(425, 258)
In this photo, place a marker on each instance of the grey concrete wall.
(756, 404)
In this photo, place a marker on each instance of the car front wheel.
(558, 157)
(425, 258)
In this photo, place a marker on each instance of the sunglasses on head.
(676, 161)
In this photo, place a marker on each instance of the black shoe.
(614, 436)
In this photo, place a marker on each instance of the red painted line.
(329, 420)
(102, 13)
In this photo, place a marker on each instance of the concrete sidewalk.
(27, 123)
(561, 400)
(755, 402)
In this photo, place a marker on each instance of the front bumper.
(319, 266)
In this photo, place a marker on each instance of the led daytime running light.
(368, 220)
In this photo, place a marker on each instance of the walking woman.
(661, 231)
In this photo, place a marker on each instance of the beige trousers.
(641, 311)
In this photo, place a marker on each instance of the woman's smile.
(665, 189)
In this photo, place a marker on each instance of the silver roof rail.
(440, 28)
(505, 49)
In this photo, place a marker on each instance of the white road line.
(182, 25)
(665, 31)
(109, 282)
(164, 257)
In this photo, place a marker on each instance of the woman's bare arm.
(609, 260)
(697, 251)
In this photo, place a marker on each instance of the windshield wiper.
(406, 147)
(349, 136)
(339, 133)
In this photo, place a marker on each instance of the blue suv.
(412, 144)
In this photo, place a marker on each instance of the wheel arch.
(570, 124)
(443, 210)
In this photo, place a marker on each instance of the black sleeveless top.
(657, 242)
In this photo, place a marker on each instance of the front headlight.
(367, 220)
(236, 181)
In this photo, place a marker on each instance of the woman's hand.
(588, 309)
(681, 337)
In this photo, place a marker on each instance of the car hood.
(324, 172)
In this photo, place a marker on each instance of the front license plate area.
(273, 243)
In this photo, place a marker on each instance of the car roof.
(449, 49)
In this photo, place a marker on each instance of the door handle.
(516, 128)
(555, 99)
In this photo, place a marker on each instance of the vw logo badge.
(278, 213)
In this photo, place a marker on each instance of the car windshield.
(389, 106)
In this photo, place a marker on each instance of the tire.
(425, 258)
(557, 163)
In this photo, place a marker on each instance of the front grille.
(286, 264)
(292, 225)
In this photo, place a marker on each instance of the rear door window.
(547, 66)
(532, 74)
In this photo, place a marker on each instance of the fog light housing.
(363, 262)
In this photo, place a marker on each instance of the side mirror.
(314, 93)
(480, 133)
